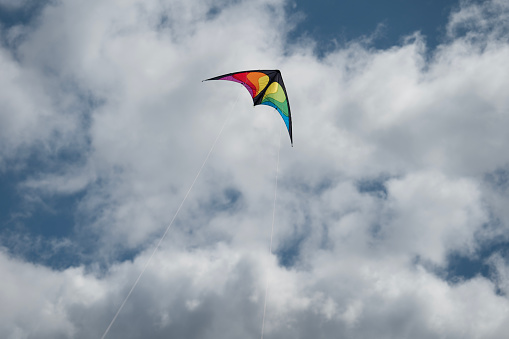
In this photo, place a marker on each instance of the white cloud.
(429, 215)
(120, 83)
(28, 114)
(35, 299)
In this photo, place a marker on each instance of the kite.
(266, 88)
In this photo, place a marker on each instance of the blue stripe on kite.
(285, 118)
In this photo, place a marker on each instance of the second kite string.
(272, 228)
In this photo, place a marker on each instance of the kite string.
(171, 222)
(272, 229)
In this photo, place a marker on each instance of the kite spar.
(266, 88)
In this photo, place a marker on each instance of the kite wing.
(266, 88)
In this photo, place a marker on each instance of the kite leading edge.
(266, 88)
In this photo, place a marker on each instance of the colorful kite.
(266, 88)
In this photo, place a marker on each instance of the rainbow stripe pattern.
(266, 88)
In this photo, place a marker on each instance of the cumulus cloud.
(398, 163)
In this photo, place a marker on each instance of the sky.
(391, 217)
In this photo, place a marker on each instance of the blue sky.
(342, 21)
(391, 214)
